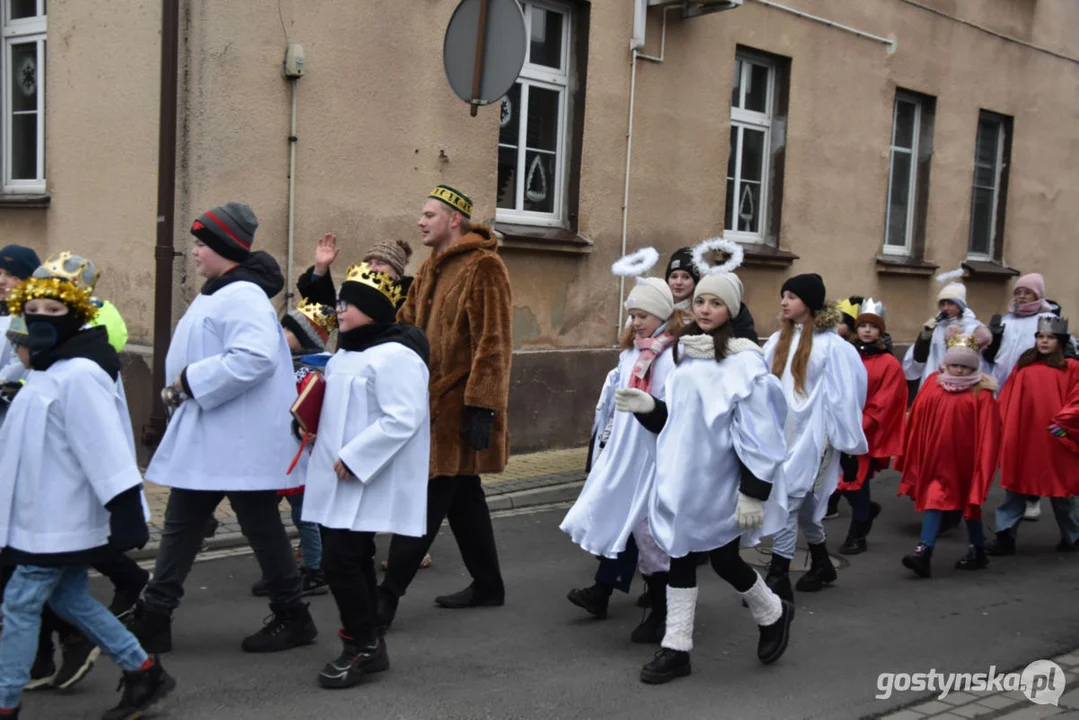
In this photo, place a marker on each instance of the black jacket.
(259, 268)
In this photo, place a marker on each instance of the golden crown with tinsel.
(52, 288)
(380, 281)
(963, 340)
(321, 316)
(71, 267)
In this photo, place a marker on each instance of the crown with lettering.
(963, 340)
(364, 275)
(1052, 324)
(321, 316)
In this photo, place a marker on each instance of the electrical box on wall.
(294, 61)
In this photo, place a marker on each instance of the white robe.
(829, 414)
(614, 497)
(66, 453)
(1018, 337)
(376, 419)
(235, 433)
(920, 371)
(718, 414)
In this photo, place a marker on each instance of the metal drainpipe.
(164, 250)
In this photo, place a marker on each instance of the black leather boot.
(666, 666)
(975, 559)
(593, 599)
(653, 626)
(1003, 545)
(919, 561)
(779, 578)
(821, 571)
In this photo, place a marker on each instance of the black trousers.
(726, 561)
(348, 559)
(618, 572)
(460, 500)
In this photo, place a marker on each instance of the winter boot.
(314, 582)
(821, 571)
(919, 561)
(652, 627)
(975, 559)
(387, 608)
(779, 577)
(153, 629)
(1004, 544)
(288, 627)
(672, 660)
(855, 543)
(592, 599)
(773, 617)
(142, 689)
(354, 662)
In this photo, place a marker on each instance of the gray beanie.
(228, 230)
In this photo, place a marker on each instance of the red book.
(308, 405)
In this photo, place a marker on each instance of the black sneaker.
(153, 630)
(77, 660)
(592, 599)
(853, 545)
(666, 666)
(286, 628)
(353, 663)
(142, 689)
(43, 670)
(773, 638)
(314, 582)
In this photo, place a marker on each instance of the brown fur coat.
(461, 300)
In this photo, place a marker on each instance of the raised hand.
(325, 253)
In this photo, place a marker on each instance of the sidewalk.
(536, 479)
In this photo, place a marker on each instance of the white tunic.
(65, 453)
(614, 498)
(376, 419)
(1018, 337)
(718, 414)
(920, 371)
(829, 414)
(235, 433)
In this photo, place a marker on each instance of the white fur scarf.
(703, 347)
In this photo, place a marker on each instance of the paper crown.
(846, 307)
(364, 275)
(873, 307)
(454, 198)
(76, 269)
(321, 316)
(963, 340)
(53, 289)
(1054, 325)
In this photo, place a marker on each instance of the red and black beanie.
(228, 230)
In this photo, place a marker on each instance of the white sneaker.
(1033, 510)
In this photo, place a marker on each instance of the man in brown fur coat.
(461, 299)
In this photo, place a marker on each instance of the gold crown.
(54, 289)
(963, 340)
(380, 281)
(76, 269)
(321, 316)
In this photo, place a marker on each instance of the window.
(22, 64)
(992, 156)
(533, 139)
(908, 174)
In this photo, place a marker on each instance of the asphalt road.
(540, 657)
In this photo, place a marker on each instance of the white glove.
(634, 401)
(929, 326)
(749, 513)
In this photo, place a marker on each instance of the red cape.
(1032, 460)
(883, 414)
(950, 449)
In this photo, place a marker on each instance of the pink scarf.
(957, 383)
(1028, 309)
(650, 349)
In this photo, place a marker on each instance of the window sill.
(989, 270)
(757, 255)
(15, 200)
(903, 265)
(540, 239)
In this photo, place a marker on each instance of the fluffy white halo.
(637, 263)
(949, 276)
(734, 251)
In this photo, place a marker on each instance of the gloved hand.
(127, 524)
(480, 422)
(995, 325)
(749, 513)
(849, 463)
(9, 390)
(634, 401)
(928, 328)
(1058, 431)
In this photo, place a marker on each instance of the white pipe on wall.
(889, 41)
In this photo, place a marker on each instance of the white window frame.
(541, 76)
(752, 120)
(912, 189)
(1002, 129)
(19, 32)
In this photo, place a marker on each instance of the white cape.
(920, 371)
(1018, 337)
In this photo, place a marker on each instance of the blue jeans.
(67, 591)
(310, 536)
(1065, 510)
(931, 523)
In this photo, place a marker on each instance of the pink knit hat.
(1033, 282)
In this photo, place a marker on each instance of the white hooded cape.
(920, 371)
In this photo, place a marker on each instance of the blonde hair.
(800, 364)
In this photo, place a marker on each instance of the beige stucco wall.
(378, 127)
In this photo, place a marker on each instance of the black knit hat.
(369, 300)
(19, 260)
(228, 230)
(809, 288)
(682, 259)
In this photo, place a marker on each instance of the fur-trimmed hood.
(828, 319)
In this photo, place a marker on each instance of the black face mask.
(48, 331)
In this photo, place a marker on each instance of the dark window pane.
(981, 221)
(899, 199)
(732, 157)
(736, 91)
(23, 9)
(985, 152)
(545, 47)
(507, 178)
(511, 116)
(24, 147)
(728, 214)
(757, 92)
(542, 131)
(539, 182)
(985, 176)
(752, 154)
(749, 206)
(904, 124)
(24, 76)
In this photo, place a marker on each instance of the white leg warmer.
(681, 607)
(764, 604)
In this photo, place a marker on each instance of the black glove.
(849, 464)
(127, 524)
(480, 422)
(9, 390)
(995, 325)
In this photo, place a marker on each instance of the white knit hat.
(956, 292)
(725, 286)
(653, 296)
